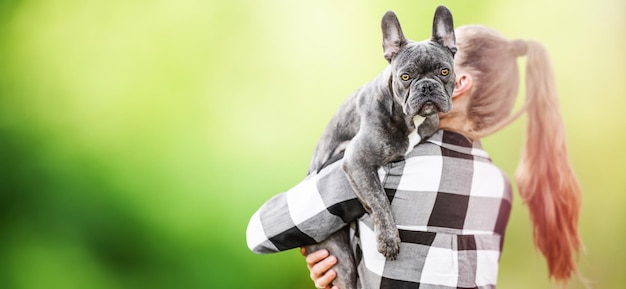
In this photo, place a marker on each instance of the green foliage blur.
(137, 137)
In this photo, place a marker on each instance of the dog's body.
(381, 122)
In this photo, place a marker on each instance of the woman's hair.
(545, 178)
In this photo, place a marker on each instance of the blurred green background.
(138, 137)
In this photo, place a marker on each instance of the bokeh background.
(137, 137)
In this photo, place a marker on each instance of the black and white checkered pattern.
(450, 203)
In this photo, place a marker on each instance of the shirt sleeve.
(306, 214)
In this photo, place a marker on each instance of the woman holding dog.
(460, 242)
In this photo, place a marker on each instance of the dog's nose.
(427, 88)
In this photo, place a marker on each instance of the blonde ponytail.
(545, 178)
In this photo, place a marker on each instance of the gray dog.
(381, 122)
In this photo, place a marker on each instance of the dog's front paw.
(389, 243)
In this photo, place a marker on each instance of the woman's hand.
(320, 264)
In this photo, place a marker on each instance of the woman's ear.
(462, 85)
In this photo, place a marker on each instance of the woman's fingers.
(320, 263)
(325, 280)
(316, 257)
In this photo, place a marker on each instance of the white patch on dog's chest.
(414, 137)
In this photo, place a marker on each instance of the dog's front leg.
(361, 165)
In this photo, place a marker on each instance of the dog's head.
(422, 73)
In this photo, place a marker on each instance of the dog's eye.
(445, 71)
(405, 77)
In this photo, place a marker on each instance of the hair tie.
(519, 47)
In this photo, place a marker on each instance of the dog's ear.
(393, 38)
(443, 29)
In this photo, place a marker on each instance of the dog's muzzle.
(427, 97)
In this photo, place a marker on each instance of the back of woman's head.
(545, 177)
(486, 55)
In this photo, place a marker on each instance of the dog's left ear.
(393, 38)
(443, 29)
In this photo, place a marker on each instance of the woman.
(452, 226)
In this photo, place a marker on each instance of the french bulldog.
(381, 122)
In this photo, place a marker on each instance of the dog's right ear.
(393, 38)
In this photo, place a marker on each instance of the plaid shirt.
(450, 203)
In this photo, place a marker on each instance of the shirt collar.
(457, 142)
